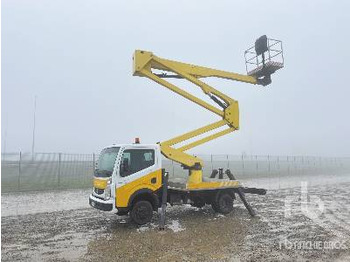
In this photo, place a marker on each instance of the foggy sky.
(76, 56)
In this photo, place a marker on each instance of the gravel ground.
(292, 225)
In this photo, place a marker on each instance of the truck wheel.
(224, 204)
(141, 212)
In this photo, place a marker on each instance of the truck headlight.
(108, 192)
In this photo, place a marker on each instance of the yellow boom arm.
(144, 62)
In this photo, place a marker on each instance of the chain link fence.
(271, 172)
(47, 171)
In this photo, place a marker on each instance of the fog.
(76, 57)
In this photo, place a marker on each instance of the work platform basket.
(264, 58)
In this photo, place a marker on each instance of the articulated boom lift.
(144, 62)
(129, 178)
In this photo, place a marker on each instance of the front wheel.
(141, 212)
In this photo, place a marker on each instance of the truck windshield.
(106, 162)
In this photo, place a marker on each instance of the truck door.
(139, 168)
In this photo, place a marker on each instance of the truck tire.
(223, 204)
(141, 212)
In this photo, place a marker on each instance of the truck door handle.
(154, 180)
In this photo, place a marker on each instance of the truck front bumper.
(101, 204)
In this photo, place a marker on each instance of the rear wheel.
(223, 204)
(141, 212)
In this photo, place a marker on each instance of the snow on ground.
(60, 226)
(23, 203)
(175, 226)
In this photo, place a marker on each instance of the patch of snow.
(24, 203)
(175, 226)
(142, 229)
(146, 227)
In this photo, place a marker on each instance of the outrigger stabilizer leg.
(165, 176)
(241, 194)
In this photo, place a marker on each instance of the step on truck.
(130, 179)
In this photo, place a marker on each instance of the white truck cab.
(124, 171)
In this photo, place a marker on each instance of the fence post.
(59, 169)
(19, 171)
(93, 163)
